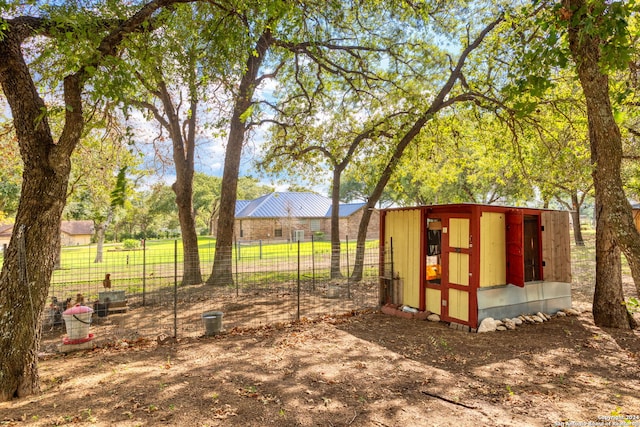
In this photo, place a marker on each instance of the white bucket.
(77, 320)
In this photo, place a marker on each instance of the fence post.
(237, 273)
(90, 264)
(175, 289)
(313, 263)
(298, 316)
(390, 283)
(348, 274)
(144, 271)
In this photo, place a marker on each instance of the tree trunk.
(100, 232)
(608, 310)
(213, 217)
(335, 225)
(191, 262)
(358, 265)
(30, 256)
(183, 159)
(606, 154)
(575, 219)
(29, 260)
(183, 156)
(222, 272)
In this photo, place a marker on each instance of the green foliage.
(537, 39)
(633, 305)
(465, 156)
(552, 140)
(119, 192)
(131, 244)
(10, 173)
(9, 197)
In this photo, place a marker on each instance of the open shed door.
(556, 246)
(515, 247)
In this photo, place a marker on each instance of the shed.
(467, 262)
(5, 234)
(76, 232)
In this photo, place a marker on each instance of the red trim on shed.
(515, 242)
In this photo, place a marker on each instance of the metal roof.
(291, 204)
(347, 209)
(240, 205)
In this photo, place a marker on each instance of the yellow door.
(457, 252)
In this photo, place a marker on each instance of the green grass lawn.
(164, 258)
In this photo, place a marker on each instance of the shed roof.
(76, 228)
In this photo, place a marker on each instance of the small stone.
(517, 321)
(499, 323)
(529, 319)
(510, 325)
(522, 318)
(487, 325)
(501, 328)
(572, 312)
(433, 318)
(541, 316)
(561, 314)
(537, 318)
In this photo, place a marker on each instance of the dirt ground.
(360, 369)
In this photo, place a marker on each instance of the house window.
(315, 225)
(277, 232)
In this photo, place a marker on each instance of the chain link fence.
(273, 283)
(137, 290)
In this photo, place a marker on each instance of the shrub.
(131, 244)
